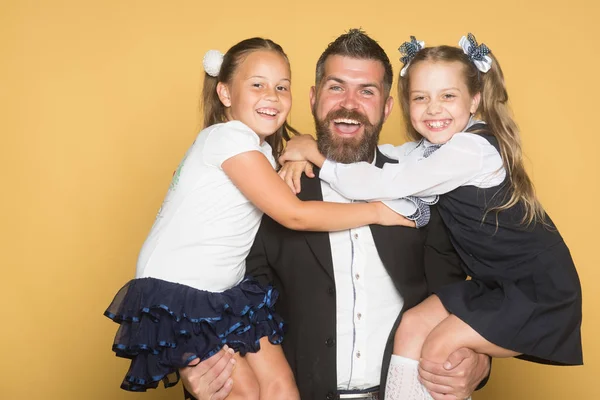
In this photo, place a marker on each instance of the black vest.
(488, 240)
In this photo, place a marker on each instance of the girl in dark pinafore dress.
(524, 298)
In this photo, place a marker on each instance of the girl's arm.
(255, 178)
(454, 164)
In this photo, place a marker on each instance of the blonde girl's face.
(440, 103)
(259, 93)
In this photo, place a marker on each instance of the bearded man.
(342, 293)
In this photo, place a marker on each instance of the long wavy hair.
(495, 111)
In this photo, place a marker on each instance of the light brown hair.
(495, 111)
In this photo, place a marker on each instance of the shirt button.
(331, 290)
(356, 236)
(358, 354)
(357, 276)
(330, 396)
(358, 315)
(330, 342)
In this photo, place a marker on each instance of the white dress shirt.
(367, 303)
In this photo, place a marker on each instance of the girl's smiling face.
(440, 102)
(259, 93)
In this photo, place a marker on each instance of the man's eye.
(257, 85)
(335, 88)
(368, 92)
(449, 96)
(282, 88)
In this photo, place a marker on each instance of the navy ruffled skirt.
(165, 325)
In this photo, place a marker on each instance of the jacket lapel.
(317, 241)
(381, 233)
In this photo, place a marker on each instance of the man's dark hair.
(356, 44)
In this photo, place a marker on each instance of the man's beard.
(348, 150)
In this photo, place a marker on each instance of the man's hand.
(457, 378)
(211, 378)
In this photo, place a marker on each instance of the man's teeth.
(438, 124)
(346, 121)
(267, 112)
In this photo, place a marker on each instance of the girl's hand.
(388, 217)
(302, 148)
(291, 172)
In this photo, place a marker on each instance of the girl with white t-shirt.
(190, 297)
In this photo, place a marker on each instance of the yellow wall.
(98, 102)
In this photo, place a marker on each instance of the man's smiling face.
(349, 108)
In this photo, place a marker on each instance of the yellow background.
(99, 101)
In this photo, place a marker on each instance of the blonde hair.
(212, 108)
(494, 110)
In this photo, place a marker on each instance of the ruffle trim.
(165, 325)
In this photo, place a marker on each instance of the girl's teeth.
(438, 124)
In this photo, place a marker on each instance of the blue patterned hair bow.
(409, 50)
(478, 54)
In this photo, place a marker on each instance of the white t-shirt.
(206, 226)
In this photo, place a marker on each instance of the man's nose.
(349, 102)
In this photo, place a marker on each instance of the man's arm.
(465, 370)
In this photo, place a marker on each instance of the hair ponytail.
(496, 113)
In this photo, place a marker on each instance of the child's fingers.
(282, 172)
(285, 173)
(296, 181)
(308, 170)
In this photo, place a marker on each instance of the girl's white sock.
(402, 382)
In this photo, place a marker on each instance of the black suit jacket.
(299, 265)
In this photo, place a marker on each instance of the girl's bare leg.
(402, 380)
(245, 384)
(273, 373)
(416, 324)
(451, 334)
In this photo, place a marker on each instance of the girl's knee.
(283, 388)
(412, 325)
(245, 388)
(245, 382)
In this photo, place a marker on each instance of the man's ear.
(312, 95)
(223, 93)
(387, 109)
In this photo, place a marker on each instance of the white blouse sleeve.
(452, 165)
(228, 140)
